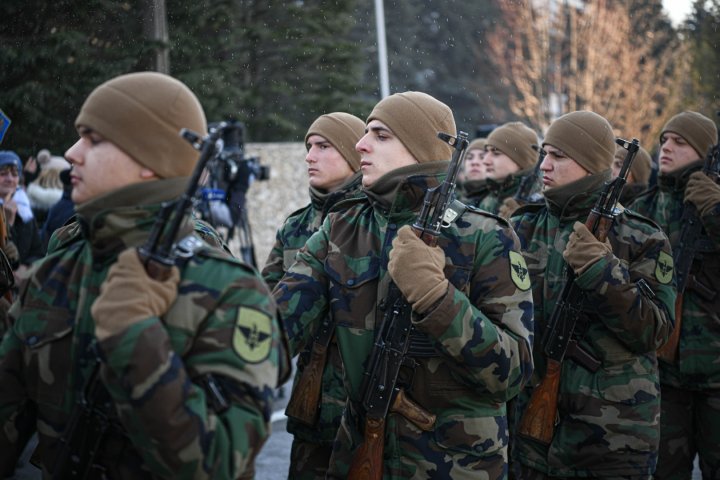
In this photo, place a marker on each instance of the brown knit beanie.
(515, 140)
(477, 144)
(697, 130)
(641, 166)
(585, 137)
(416, 118)
(142, 114)
(343, 131)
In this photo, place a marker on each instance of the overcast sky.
(677, 9)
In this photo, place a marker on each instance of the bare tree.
(560, 57)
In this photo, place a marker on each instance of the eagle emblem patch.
(664, 268)
(252, 337)
(519, 271)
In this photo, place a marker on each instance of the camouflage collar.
(322, 200)
(676, 181)
(576, 198)
(475, 187)
(124, 217)
(403, 189)
(507, 185)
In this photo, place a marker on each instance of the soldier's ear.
(147, 174)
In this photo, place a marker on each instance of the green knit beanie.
(515, 140)
(142, 114)
(343, 131)
(698, 130)
(585, 137)
(416, 118)
(641, 166)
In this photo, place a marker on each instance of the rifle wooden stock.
(403, 405)
(367, 463)
(538, 421)
(599, 225)
(669, 351)
(305, 397)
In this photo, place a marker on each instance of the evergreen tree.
(703, 32)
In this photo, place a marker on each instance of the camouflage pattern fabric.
(472, 192)
(312, 445)
(690, 422)
(480, 331)
(499, 191)
(223, 323)
(608, 419)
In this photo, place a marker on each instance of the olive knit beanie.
(515, 140)
(142, 114)
(585, 137)
(697, 130)
(416, 118)
(477, 144)
(641, 166)
(343, 131)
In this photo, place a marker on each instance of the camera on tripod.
(239, 169)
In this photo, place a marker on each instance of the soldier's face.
(381, 152)
(99, 167)
(327, 168)
(474, 166)
(497, 164)
(558, 169)
(675, 153)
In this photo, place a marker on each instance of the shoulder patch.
(664, 268)
(252, 337)
(519, 271)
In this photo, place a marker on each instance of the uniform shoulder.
(485, 215)
(349, 202)
(643, 196)
(528, 209)
(299, 212)
(639, 218)
(64, 236)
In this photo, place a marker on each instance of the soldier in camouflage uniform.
(690, 419)
(638, 177)
(334, 174)
(184, 368)
(510, 155)
(473, 187)
(472, 312)
(608, 425)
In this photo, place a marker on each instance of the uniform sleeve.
(274, 265)
(640, 317)
(302, 293)
(488, 333)
(711, 222)
(159, 379)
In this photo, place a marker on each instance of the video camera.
(238, 168)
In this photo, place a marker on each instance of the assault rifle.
(538, 420)
(692, 241)
(90, 424)
(524, 194)
(380, 390)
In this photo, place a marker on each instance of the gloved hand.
(583, 249)
(702, 192)
(508, 206)
(129, 295)
(417, 270)
(12, 253)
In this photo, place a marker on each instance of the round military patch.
(664, 268)
(518, 271)
(252, 338)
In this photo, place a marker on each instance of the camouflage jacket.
(472, 192)
(698, 365)
(608, 419)
(294, 233)
(154, 376)
(499, 191)
(480, 331)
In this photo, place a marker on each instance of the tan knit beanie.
(477, 144)
(697, 129)
(416, 118)
(142, 114)
(515, 140)
(586, 137)
(343, 131)
(641, 166)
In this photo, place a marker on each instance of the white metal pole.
(382, 49)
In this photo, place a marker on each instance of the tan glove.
(508, 206)
(417, 270)
(12, 253)
(583, 249)
(702, 192)
(129, 295)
